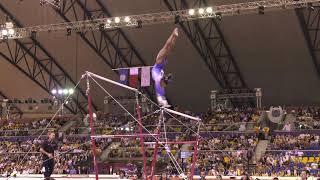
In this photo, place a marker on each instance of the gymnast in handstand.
(160, 79)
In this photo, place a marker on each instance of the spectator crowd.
(227, 146)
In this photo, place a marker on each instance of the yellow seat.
(304, 160)
(173, 152)
(311, 160)
(294, 159)
(317, 159)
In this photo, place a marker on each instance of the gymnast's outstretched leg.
(158, 69)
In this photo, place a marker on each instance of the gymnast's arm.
(167, 48)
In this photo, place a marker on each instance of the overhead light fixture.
(191, 12)
(11, 31)
(201, 11)
(71, 91)
(127, 19)
(209, 10)
(261, 9)
(116, 19)
(4, 32)
(65, 91)
(9, 25)
(219, 16)
(62, 91)
(107, 25)
(101, 27)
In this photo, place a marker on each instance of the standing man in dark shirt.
(47, 149)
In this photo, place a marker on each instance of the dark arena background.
(159, 89)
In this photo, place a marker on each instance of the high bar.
(111, 81)
(130, 67)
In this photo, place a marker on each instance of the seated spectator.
(287, 127)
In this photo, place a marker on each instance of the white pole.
(111, 81)
(122, 135)
(130, 67)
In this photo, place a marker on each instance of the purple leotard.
(157, 75)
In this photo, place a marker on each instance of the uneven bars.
(124, 135)
(111, 81)
(136, 90)
(181, 114)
